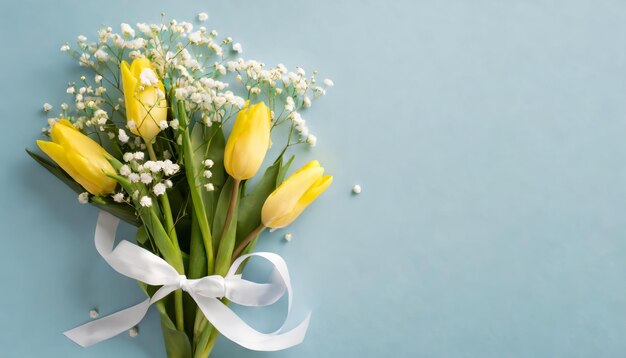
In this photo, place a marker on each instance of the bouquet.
(164, 133)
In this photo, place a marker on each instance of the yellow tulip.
(288, 201)
(81, 157)
(144, 97)
(248, 142)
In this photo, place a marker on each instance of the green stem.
(171, 232)
(247, 240)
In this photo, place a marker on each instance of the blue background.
(489, 138)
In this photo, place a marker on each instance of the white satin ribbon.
(140, 264)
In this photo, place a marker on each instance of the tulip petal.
(95, 175)
(58, 154)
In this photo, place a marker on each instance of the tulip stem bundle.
(169, 159)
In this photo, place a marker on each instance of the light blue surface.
(489, 138)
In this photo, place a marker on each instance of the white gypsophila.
(47, 107)
(127, 30)
(118, 197)
(138, 155)
(101, 55)
(328, 82)
(82, 38)
(306, 102)
(65, 48)
(356, 189)
(128, 157)
(110, 135)
(83, 198)
(100, 116)
(70, 90)
(174, 124)
(311, 140)
(145, 178)
(131, 125)
(80, 105)
(168, 183)
(122, 136)
(134, 177)
(145, 201)
(148, 77)
(84, 60)
(159, 189)
(288, 236)
(209, 187)
(203, 16)
(237, 47)
(208, 163)
(207, 174)
(170, 168)
(290, 104)
(163, 125)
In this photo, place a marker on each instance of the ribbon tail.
(234, 328)
(107, 327)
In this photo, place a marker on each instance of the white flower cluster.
(150, 173)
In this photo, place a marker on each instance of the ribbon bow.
(140, 264)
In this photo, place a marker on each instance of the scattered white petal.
(163, 125)
(237, 47)
(329, 82)
(288, 237)
(356, 189)
(203, 16)
(94, 313)
(47, 107)
(133, 332)
(83, 198)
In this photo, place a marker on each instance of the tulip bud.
(146, 106)
(288, 201)
(81, 157)
(248, 142)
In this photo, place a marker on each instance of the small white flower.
(138, 155)
(288, 237)
(70, 90)
(127, 30)
(209, 187)
(118, 198)
(290, 105)
(82, 38)
(94, 313)
(128, 157)
(159, 189)
(145, 178)
(98, 78)
(329, 82)
(168, 183)
(148, 77)
(207, 174)
(47, 107)
(356, 189)
(306, 102)
(237, 47)
(134, 177)
(163, 125)
(125, 170)
(122, 136)
(208, 163)
(80, 105)
(203, 16)
(101, 55)
(311, 140)
(83, 198)
(145, 201)
(65, 48)
(131, 125)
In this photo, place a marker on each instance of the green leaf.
(283, 170)
(142, 235)
(177, 344)
(220, 211)
(227, 240)
(122, 211)
(250, 205)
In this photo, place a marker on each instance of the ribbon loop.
(137, 263)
